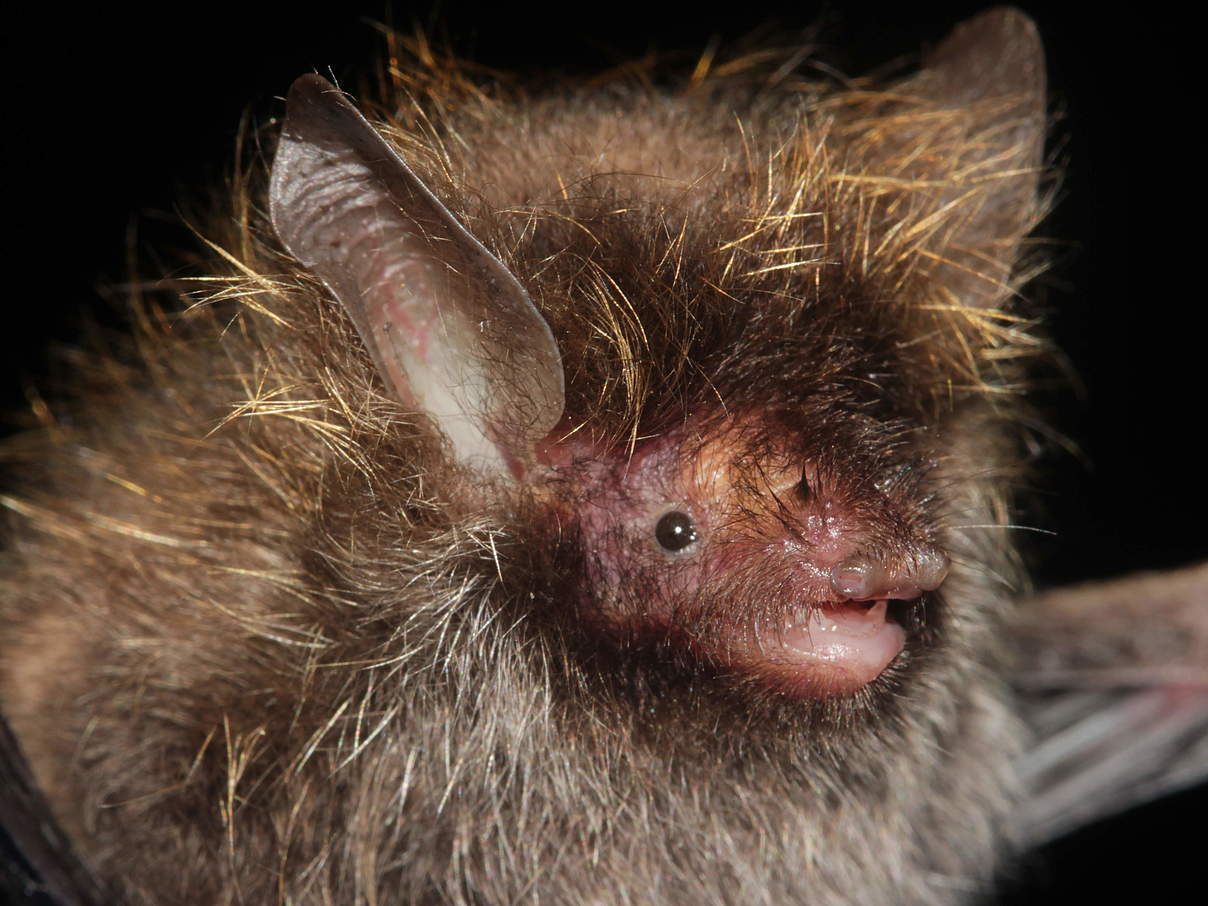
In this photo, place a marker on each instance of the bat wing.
(37, 865)
(1112, 679)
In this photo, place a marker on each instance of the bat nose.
(862, 577)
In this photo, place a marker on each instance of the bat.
(428, 561)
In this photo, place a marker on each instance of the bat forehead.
(655, 232)
(738, 467)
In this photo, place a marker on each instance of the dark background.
(112, 118)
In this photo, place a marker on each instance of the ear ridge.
(451, 330)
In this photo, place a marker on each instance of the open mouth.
(824, 651)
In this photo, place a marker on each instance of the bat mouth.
(824, 651)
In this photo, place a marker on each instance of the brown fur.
(263, 642)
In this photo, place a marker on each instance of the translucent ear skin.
(451, 330)
(992, 65)
(997, 53)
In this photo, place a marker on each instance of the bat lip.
(820, 650)
(826, 651)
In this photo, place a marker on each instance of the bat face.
(590, 519)
(750, 560)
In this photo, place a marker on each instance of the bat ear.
(451, 330)
(985, 93)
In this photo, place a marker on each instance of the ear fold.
(972, 145)
(451, 330)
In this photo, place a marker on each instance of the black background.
(111, 118)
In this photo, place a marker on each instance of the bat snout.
(864, 577)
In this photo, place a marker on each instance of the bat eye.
(675, 532)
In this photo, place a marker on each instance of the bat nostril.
(863, 578)
(930, 568)
(858, 578)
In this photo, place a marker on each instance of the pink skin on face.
(836, 649)
(786, 581)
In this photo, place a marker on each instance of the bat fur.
(305, 645)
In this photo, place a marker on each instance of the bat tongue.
(832, 650)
